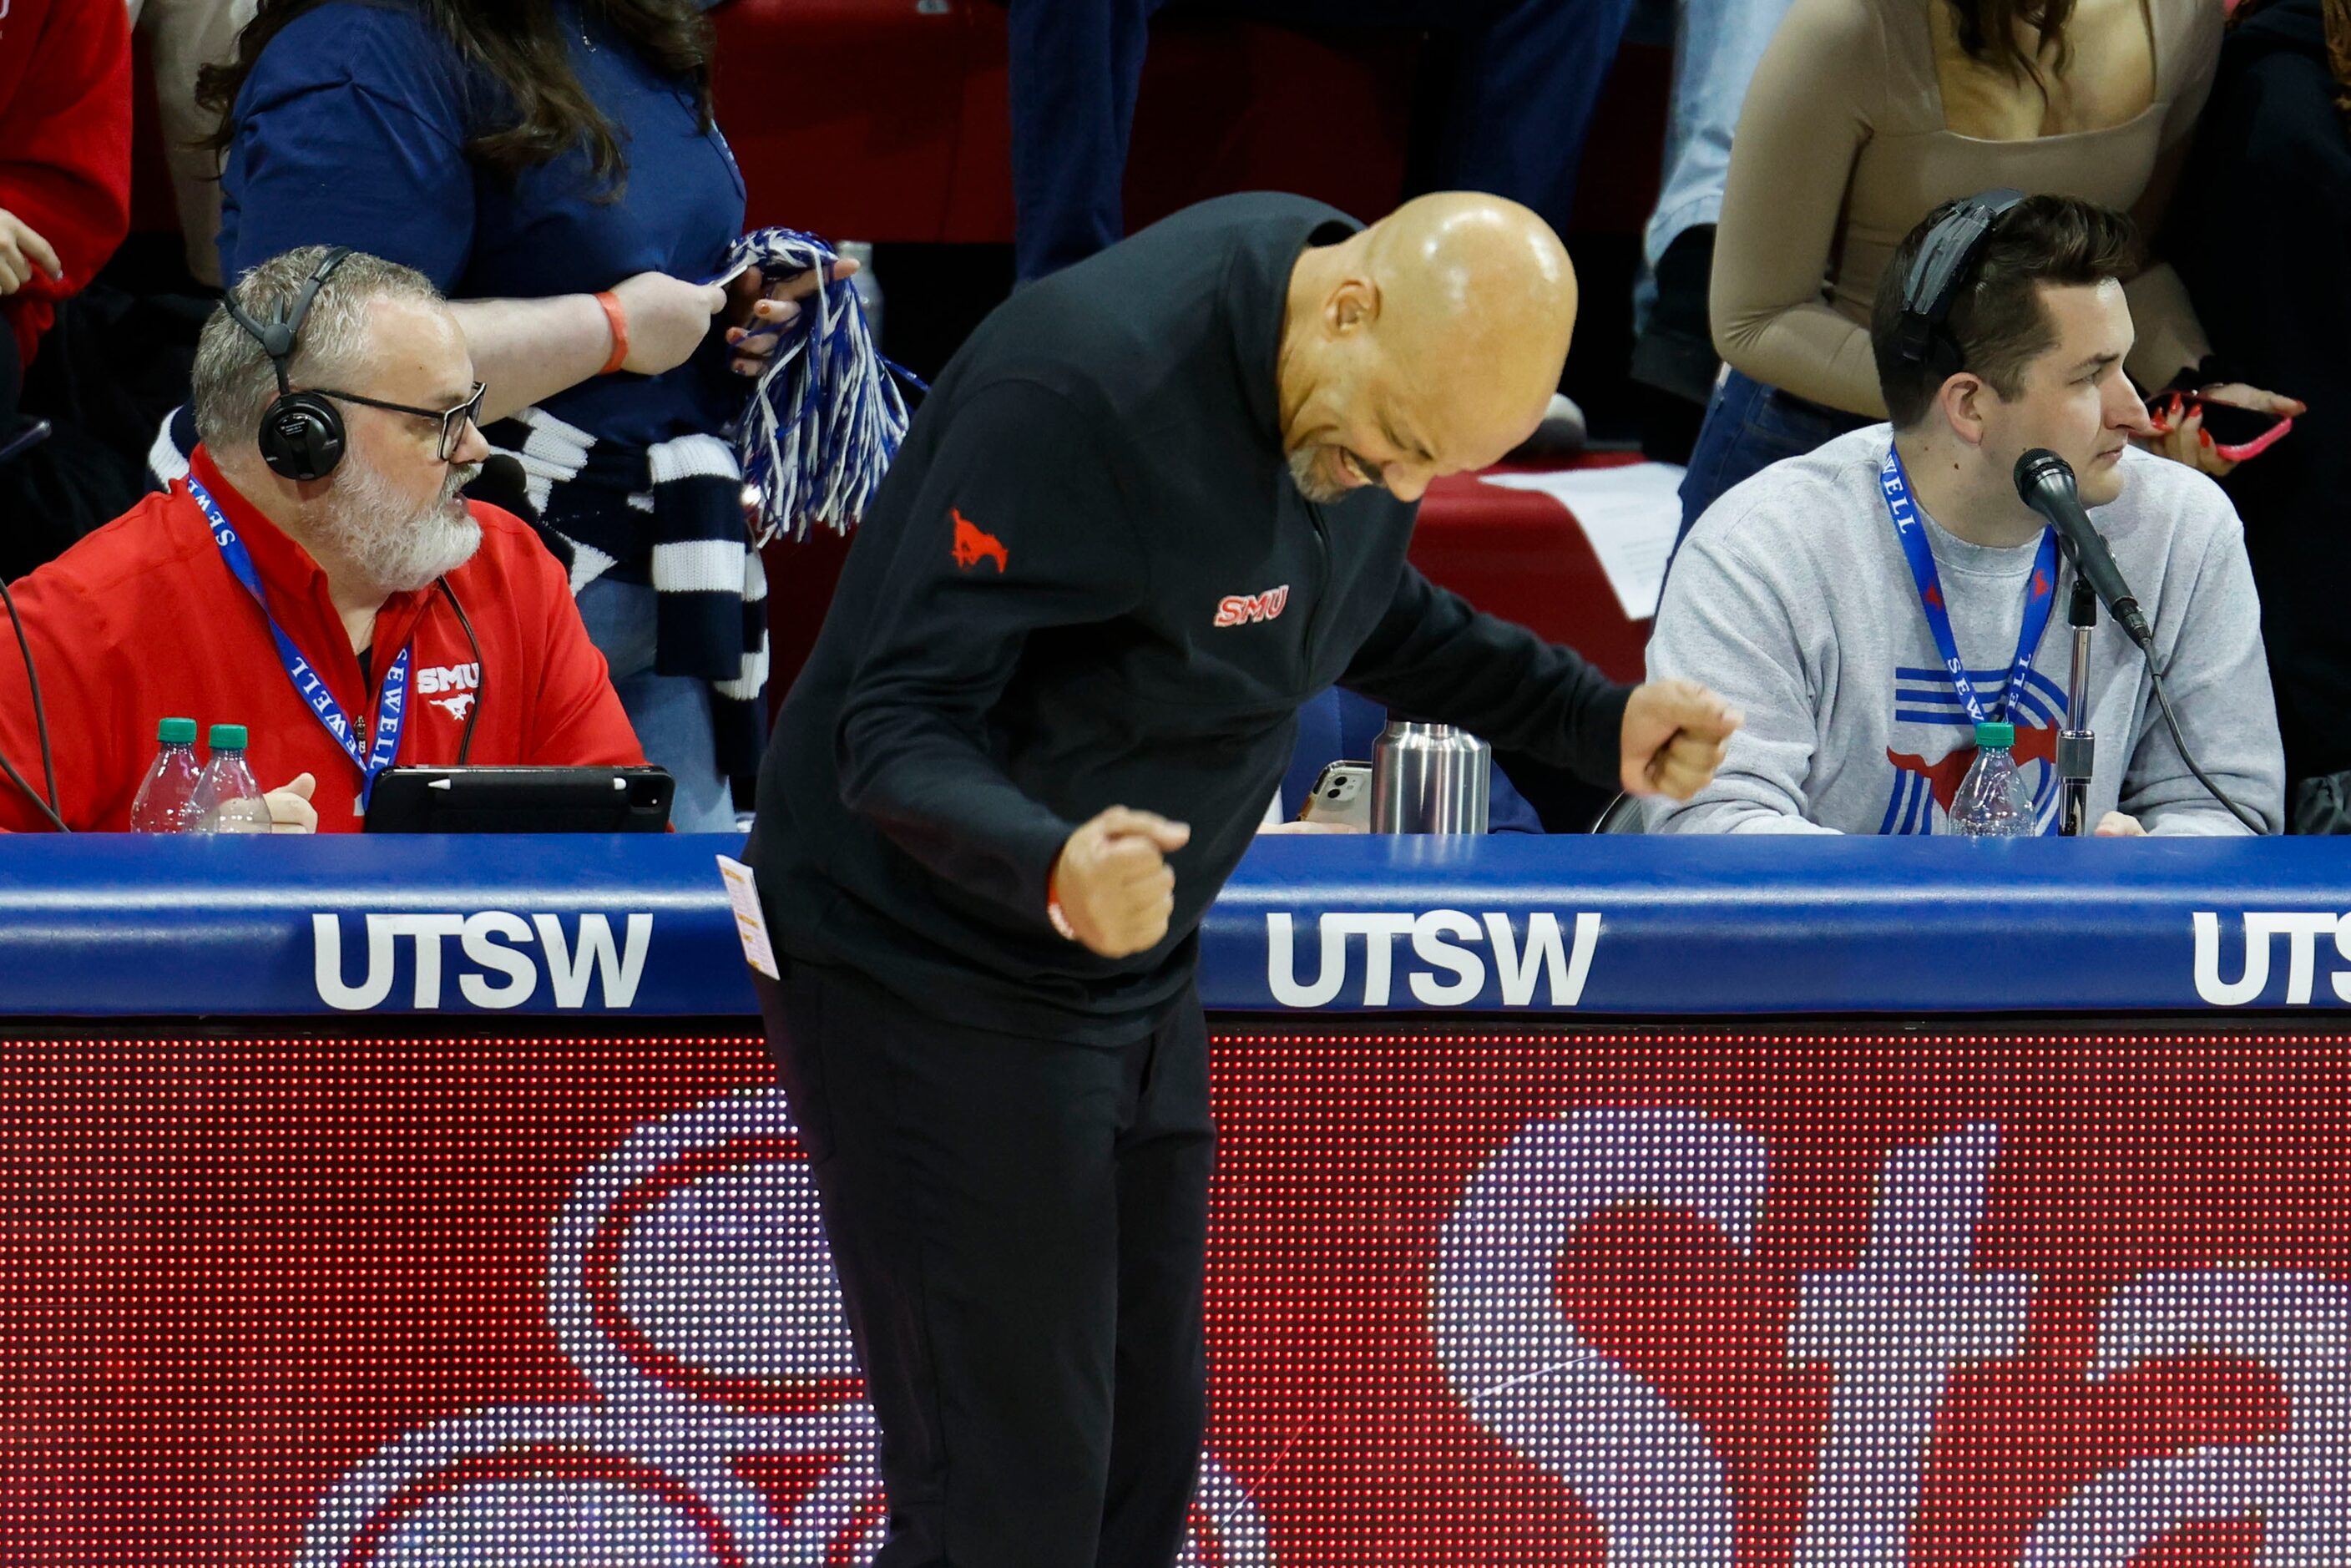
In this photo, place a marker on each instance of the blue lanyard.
(2039, 593)
(392, 706)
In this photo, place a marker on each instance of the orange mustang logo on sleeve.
(974, 545)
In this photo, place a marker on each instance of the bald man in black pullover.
(1156, 502)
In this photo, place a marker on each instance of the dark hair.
(2335, 16)
(2337, 13)
(524, 47)
(1997, 318)
(1986, 30)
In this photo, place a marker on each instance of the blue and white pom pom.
(828, 416)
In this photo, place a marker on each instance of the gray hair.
(235, 383)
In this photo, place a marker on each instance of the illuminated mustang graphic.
(689, 1283)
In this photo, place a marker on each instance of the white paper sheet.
(1630, 514)
(750, 923)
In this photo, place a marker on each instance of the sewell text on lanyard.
(2039, 593)
(392, 706)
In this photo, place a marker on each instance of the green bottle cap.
(226, 738)
(1986, 734)
(177, 732)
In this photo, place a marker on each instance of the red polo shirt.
(143, 621)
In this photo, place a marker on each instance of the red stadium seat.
(888, 119)
(1523, 557)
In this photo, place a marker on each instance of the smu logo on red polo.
(1242, 608)
(449, 687)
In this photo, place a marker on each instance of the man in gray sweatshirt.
(1800, 599)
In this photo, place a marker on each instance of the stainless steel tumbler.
(1429, 778)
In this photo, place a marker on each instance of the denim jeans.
(1717, 44)
(1520, 81)
(1748, 427)
(671, 714)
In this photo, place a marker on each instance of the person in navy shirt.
(562, 178)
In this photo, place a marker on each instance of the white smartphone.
(1342, 794)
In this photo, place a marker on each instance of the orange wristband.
(619, 319)
(1061, 922)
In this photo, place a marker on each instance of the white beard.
(369, 527)
(1310, 482)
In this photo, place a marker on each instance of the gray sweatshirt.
(1793, 598)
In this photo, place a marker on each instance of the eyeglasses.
(453, 420)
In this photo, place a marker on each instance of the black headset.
(301, 432)
(1944, 262)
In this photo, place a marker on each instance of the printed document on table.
(750, 922)
(1630, 514)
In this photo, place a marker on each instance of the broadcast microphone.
(2044, 482)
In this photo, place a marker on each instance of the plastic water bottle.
(226, 800)
(1992, 802)
(166, 799)
(865, 284)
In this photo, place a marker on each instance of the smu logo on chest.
(1242, 608)
(449, 687)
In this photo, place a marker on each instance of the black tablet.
(521, 800)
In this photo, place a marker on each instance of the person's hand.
(2185, 442)
(2118, 825)
(1115, 886)
(2188, 441)
(1303, 826)
(1675, 732)
(2238, 395)
(22, 250)
(668, 318)
(757, 312)
(290, 810)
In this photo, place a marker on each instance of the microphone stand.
(2076, 746)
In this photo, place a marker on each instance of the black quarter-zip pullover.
(1090, 581)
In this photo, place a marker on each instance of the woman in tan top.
(1867, 114)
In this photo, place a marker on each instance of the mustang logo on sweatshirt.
(2032, 744)
(974, 545)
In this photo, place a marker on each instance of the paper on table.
(750, 923)
(1630, 514)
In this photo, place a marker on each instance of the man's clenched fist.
(1115, 884)
(1675, 732)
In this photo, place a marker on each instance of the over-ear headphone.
(1945, 261)
(301, 432)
